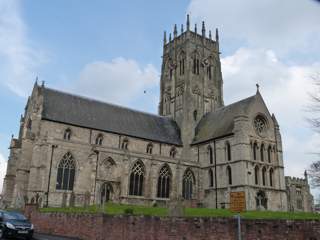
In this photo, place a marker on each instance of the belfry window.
(264, 170)
(181, 66)
(255, 148)
(99, 139)
(256, 175)
(136, 179)
(262, 152)
(67, 134)
(187, 185)
(149, 148)
(196, 65)
(271, 177)
(164, 182)
(269, 154)
(66, 173)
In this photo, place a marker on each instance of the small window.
(173, 152)
(210, 153)
(264, 170)
(255, 148)
(228, 151)
(229, 175)
(149, 148)
(262, 152)
(67, 134)
(256, 175)
(269, 154)
(125, 144)
(210, 173)
(271, 177)
(99, 139)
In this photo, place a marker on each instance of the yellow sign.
(237, 201)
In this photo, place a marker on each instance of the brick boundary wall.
(105, 227)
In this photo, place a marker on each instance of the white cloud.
(121, 81)
(284, 25)
(19, 60)
(3, 169)
(285, 88)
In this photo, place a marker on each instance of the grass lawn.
(118, 209)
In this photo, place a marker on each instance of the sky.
(111, 50)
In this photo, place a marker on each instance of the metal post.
(239, 226)
(49, 177)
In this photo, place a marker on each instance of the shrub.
(128, 211)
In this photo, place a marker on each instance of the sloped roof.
(220, 122)
(84, 112)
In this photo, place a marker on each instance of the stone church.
(73, 150)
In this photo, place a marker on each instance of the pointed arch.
(99, 139)
(164, 182)
(262, 152)
(228, 151)
(256, 175)
(137, 179)
(106, 191)
(196, 63)
(173, 152)
(254, 149)
(264, 171)
(210, 153)
(181, 57)
(67, 134)
(271, 177)
(188, 184)
(125, 144)
(66, 173)
(149, 148)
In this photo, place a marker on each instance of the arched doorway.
(106, 192)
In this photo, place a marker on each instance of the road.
(38, 236)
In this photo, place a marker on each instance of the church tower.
(191, 79)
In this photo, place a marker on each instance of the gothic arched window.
(262, 152)
(181, 63)
(164, 182)
(173, 152)
(229, 175)
(99, 139)
(264, 170)
(210, 174)
(210, 153)
(228, 151)
(269, 154)
(149, 148)
(187, 184)
(124, 144)
(255, 148)
(67, 134)
(196, 64)
(136, 179)
(256, 175)
(167, 103)
(271, 177)
(179, 97)
(66, 173)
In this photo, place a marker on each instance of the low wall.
(105, 227)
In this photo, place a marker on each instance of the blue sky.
(111, 50)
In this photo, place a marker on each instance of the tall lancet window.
(136, 179)
(187, 185)
(66, 173)
(164, 182)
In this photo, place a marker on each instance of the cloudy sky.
(111, 50)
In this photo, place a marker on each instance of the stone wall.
(105, 227)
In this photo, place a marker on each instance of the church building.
(72, 150)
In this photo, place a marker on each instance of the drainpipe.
(49, 178)
(95, 178)
(215, 172)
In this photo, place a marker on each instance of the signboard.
(237, 201)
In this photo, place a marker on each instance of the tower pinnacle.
(188, 22)
(217, 35)
(175, 31)
(203, 29)
(165, 38)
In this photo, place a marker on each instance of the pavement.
(38, 236)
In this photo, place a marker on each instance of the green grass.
(120, 209)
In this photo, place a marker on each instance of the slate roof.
(221, 122)
(84, 112)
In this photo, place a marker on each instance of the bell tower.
(191, 78)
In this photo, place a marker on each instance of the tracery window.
(260, 124)
(196, 65)
(66, 173)
(179, 97)
(210, 174)
(67, 134)
(181, 66)
(149, 148)
(136, 179)
(124, 144)
(229, 175)
(269, 154)
(210, 153)
(99, 139)
(264, 170)
(164, 182)
(173, 152)
(187, 184)
(256, 175)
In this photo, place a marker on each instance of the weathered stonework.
(224, 149)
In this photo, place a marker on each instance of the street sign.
(237, 201)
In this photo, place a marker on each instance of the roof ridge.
(234, 103)
(107, 103)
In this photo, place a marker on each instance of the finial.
(165, 38)
(42, 84)
(306, 174)
(217, 35)
(258, 86)
(12, 136)
(203, 29)
(182, 28)
(195, 28)
(188, 22)
(175, 32)
(36, 82)
(170, 37)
